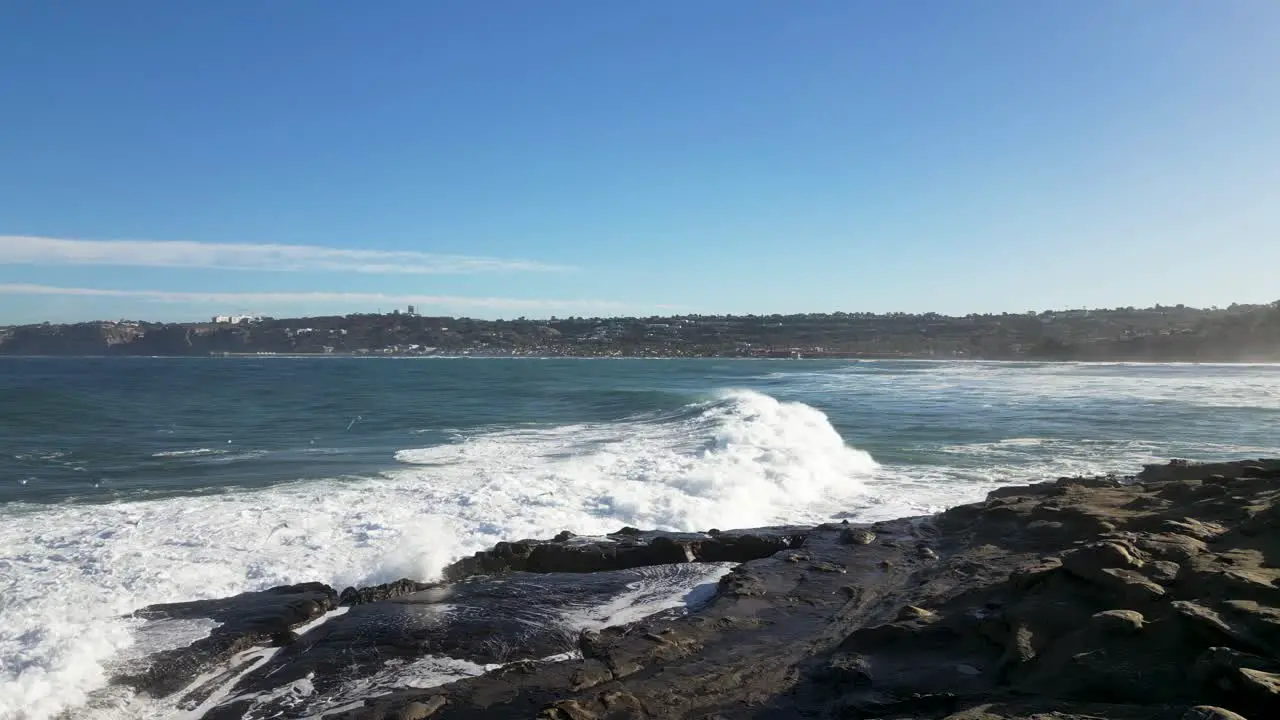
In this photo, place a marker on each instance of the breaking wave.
(742, 459)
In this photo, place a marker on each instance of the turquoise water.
(125, 482)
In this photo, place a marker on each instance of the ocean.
(128, 482)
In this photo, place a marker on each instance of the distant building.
(413, 310)
(235, 319)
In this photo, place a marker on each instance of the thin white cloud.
(275, 299)
(31, 250)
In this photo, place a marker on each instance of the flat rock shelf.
(1155, 597)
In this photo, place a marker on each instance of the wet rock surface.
(627, 548)
(1151, 598)
(248, 620)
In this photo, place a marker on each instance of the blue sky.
(576, 158)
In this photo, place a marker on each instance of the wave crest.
(743, 459)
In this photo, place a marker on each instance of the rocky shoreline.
(1155, 597)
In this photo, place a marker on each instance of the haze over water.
(126, 482)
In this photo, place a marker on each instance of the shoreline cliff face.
(1147, 598)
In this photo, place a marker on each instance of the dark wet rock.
(1222, 671)
(1169, 546)
(378, 593)
(1195, 471)
(1209, 624)
(847, 669)
(1033, 709)
(1259, 682)
(283, 637)
(740, 581)
(421, 710)
(566, 710)
(1204, 531)
(484, 621)
(622, 706)
(628, 548)
(851, 536)
(1147, 598)
(260, 619)
(1113, 565)
(1208, 712)
(1119, 621)
(911, 612)
(613, 705)
(592, 673)
(1161, 571)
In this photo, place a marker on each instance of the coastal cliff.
(1143, 598)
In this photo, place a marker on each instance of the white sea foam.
(743, 460)
(68, 573)
(424, 672)
(188, 453)
(1233, 386)
(653, 593)
(150, 636)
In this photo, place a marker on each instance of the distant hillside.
(1237, 333)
